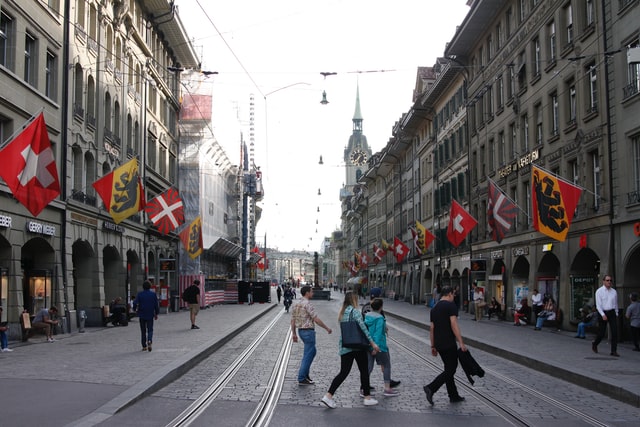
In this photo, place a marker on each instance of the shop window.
(38, 291)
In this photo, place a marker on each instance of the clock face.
(358, 157)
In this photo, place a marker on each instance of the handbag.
(352, 334)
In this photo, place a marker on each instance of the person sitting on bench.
(44, 320)
(118, 311)
(522, 315)
(494, 308)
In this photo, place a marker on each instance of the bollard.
(82, 316)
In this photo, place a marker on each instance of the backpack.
(188, 293)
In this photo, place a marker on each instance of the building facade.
(522, 83)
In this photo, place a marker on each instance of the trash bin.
(82, 317)
(175, 301)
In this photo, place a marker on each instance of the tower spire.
(357, 115)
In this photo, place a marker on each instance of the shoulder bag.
(352, 335)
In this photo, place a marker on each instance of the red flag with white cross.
(460, 224)
(400, 250)
(29, 167)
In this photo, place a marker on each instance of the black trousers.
(346, 362)
(612, 321)
(450, 359)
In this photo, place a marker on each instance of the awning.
(356, 281)
(225, 248)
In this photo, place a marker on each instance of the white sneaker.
(370, 402)
(391, 393)
(329, 402)
(5, 350)
(371, 392)
(50, 340)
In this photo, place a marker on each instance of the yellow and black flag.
(554, 203)
(121, 191)
(191, 238)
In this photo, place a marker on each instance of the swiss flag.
(364, 260)
(460, 224)
(166, 211)
(378, 253)
(400, 250)
(29, 167)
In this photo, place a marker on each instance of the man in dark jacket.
(444, 334)
(191, 296)
(147, 307)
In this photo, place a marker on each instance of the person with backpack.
(191, 296)
(377, 325)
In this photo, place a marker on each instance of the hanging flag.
(416, 241)
(400, 250)
(425, 237)
(357, 260)
(554, 203)
(501, 212)
(386, 246)
(191, 238)
(352, 268)
(121, 191)
(378, 253)
(460, 224)
(166, 211)
(364, 260)
(29, 167)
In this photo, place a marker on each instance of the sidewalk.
(550, 351)
(113, 356)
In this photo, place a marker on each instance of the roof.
(225, 248)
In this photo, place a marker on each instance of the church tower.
(357, 152)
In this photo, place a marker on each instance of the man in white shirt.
(607, 305)
(478, 300)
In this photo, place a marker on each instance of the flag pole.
(22, 128)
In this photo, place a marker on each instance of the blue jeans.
(308, 337)
(146, 331)
(4, 341)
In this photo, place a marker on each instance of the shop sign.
(84, 219)
(5, 221)
(520, 251)
(497, 254)
(110, 226)
(520, 163)
(39, 228)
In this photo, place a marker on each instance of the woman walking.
(348, 355)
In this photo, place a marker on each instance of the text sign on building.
(106, 225)
(5, 221)
(39, 228)
(523, 161)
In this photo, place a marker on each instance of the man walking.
(607, 305)
(191, 296)
(146, 305)
(444, 334)
(304, 319)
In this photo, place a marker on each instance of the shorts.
(194, 308)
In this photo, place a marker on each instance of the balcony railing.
(91, 121)
(108, 134)
(630, 90)
(633, 197)
(78, 111)
(82, 197)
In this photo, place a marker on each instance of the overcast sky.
(277, 50)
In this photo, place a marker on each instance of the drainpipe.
(65, 153)
(612, 240)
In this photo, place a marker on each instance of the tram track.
(510, 415)
(263, 413)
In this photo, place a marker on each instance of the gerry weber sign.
(39, 228)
